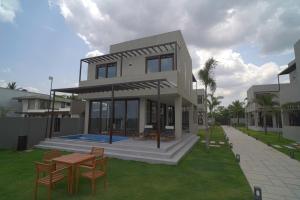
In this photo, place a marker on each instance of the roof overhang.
(289, 69)
(125, 86)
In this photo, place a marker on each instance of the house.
(290, 97)
(37, 105)
(254, 114)
(134, 69)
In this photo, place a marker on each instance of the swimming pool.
(95, 137)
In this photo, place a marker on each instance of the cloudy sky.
(252, 40)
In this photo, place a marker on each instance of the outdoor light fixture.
(292, 154)
(237, 157)
(257, 193)
(230, 145)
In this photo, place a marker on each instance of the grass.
(200, 175)
(272, 139)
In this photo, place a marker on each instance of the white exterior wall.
(290, 93)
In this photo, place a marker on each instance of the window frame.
(159, 57)
(106, 66)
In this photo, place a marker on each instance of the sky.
(251, 40)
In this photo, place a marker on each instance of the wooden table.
(73, 160)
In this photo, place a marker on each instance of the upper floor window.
(160, 63)
(31, 104)
(200, 99)
(106, 70)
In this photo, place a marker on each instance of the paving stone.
(277, 146)
(213, 142)
(221, 142)
(289, 147)
(276, 173)
(214, 145)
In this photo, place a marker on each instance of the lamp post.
(48, 105)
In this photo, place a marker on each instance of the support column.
(274, 121)
(191, 122)
(112, 114)
(87, 117)
(256, 119)
(142, 114)
(52, 115)
(158, 115)
(178, 116)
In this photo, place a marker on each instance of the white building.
(254, 114)
(290, 98)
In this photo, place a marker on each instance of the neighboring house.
(37, 105)
(290, 97)
(200, 108)
(10, 107)
(254, 114)
(131, 76)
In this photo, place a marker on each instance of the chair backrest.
(98, 152)
(43, 168)
(49, 155)
(102, 163)
(169, 127)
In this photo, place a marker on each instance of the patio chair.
(168, 133)
(98, 152)
(49, 155)
(48, 176)
(97, 170)
(148, 131)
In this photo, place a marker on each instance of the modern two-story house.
(125, 87)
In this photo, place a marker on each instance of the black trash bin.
(22, 143)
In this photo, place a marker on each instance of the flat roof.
(289, 69)
(148, 50)
(134, 85)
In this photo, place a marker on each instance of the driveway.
(274, 172)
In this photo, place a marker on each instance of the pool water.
(95, 137)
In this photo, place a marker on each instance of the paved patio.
(275, 173)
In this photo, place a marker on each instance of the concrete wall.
(291, 132)
(34, 128)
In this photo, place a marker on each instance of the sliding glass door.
(126, 116)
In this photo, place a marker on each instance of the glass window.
(200, 99)
(95, 117)
(152, 65)
(101, 71)
(132, 117)
(166, 63)
(294, 118)
(111, 70)
(31, 104)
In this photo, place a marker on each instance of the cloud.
(49, 28)
(8, 10)
(31, 89)
(3, 83)
(210, 28)
(233, 75)
(274, 27)
(6, 70)
(93, 53)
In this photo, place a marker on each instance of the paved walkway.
(274, 172)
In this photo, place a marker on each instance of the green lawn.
(273, 139)
(200, 175)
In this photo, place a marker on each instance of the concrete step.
(170, 155)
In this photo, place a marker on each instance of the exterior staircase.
(171, 152)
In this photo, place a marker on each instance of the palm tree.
(267, 104)
(12, 85)
(236, 107)
(213, 102)
(206, 77)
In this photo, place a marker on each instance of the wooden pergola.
(144, 51)
(125, 86)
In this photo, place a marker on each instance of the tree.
(213, 102)
(12, 85)
(236, 108)
(206, 77)
(267, 104)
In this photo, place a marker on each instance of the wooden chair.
(48, 176)
(97, 170)
(98, 152)
(49, 155)
(168, 133)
